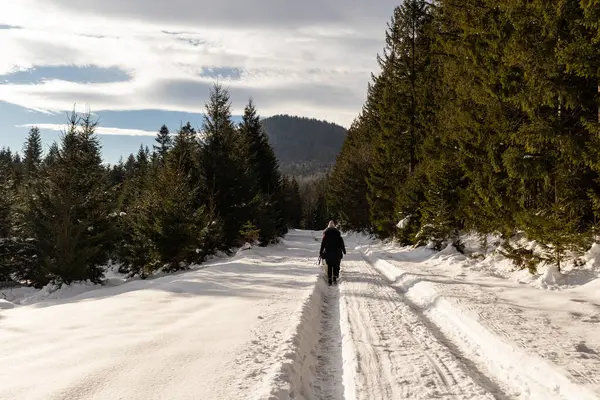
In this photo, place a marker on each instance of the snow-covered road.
(399, 355)
(264, 325)
(214, 333)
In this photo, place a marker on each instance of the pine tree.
(186, 153)
(523, 112)
(348, 189)
(292, 202)
(18, 254)
(6, 203)
(315, 212)
(224, 170)
(33, 153)
(130, 165)
(117, 173)
(52, 155)
(556, 145)
(17, 169)
(6, 225)
(164, 141)
(6, 157)
(135, 176)
(264, 176)
(320, 216)
(403, 107)
(163, 227)
(142, 160)
(68, 213)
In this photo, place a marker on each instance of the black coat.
(332, 245)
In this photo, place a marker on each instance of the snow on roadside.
(293, 374)
(491, 262)
(208, 333)
(57, 292)
(527, 373)
(349, 354)
(6, 305)
(23, 295)
(16, 294)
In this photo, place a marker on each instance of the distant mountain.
(304, 146)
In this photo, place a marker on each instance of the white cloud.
(312, 58)
(101, 130)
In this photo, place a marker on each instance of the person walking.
(332, 251)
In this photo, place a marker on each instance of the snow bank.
(112, 277)
(6, 305)
(16, 294)
(294, 373)
(530, 375)
(490, 262)
(349, 355)
(551, 278)
(58, 292)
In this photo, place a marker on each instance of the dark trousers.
(333, 268)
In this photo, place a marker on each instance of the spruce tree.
(347, 191)
(560, 103)
(142, 160)
(164, 143)
(117, 173)
(225, 177)
(7, 249)
(403, 108)
(292, 202)
(18, 252)
(264, 176)
(17, 169)
(32, 153)
(52, 155)
(164, 228)
(320, 215)
(136, 175)
(6, 203)
(130, 165)
(186, 153)
(68, 216)
(6, 157)
(475, 125)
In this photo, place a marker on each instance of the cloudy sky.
(141, 63)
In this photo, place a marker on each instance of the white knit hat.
(331, 224)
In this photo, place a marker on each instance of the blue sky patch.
(113, 146)
(222, 72)
(89, 74)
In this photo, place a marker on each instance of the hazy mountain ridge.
(304, 145)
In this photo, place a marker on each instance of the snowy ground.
(529, 342)
(403, 323)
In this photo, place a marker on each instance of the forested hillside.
(483, 117)
(65, 214)
(304, 146)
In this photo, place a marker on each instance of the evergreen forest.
(483, 118)
(65, 215)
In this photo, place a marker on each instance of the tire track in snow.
(329, 385)
(396, 355)
(524, 333)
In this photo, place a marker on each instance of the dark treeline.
(65, 214)
(483, 118)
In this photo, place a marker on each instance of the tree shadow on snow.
(228, 279)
